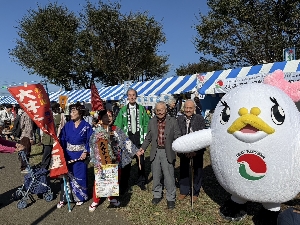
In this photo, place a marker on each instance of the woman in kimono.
(74, 139)
(121, 151)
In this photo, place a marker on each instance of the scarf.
(137, 117)
(188, 124)
(161, 120)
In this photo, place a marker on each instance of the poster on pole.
(127, 85)
(107, 183)
(289, 54)
(63, 100)
(200, 81)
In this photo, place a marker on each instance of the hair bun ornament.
(291, 89)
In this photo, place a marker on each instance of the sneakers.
(25, 171)
(114, 202)
(155, 201)
(60, 204)
(171, 204)
(93, 206)
(233, 211)
(79, 203)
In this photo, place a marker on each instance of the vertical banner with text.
(289, 54)
(35, 102)
(200, 81)
(63, 100)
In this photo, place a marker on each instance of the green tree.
(205, 65)
(115, 47)
(101, 44)
(248, 32)
(46, 44)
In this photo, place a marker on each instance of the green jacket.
(122, 121)
(47, 139)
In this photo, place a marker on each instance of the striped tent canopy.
(7, 100)
(166, 86)
(154, 88)
(160, 87)
(208, 83)
(106, 93)
(73, 96)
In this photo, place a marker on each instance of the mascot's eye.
(225, 114)
(277, 113)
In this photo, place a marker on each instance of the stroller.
(35, 182)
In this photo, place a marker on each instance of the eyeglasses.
(160, 110)
(189, 108)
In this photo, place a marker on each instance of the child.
(24, 145)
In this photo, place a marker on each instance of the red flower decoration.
(113, 128)
(220, 83)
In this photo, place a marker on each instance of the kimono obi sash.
(75, 148)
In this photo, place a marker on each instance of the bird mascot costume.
(254, 146)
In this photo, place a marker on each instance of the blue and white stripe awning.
(153, 88)
(112, 92)
(7, 100)
(208, 84)
(73, 96)
(166, 86)
(160, 87)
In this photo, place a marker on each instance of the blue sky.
(176, 16)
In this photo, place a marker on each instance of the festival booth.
(210, 86)
(213, 85)
(149, 92)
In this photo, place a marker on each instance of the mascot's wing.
(193, 141)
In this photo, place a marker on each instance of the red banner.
(35, 102)
(97, 104)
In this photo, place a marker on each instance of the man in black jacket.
(190, 122)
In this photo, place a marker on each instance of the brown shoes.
(181, 197)
(195, 198)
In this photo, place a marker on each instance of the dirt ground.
(40, 211)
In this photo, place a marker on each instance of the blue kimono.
(74, 141)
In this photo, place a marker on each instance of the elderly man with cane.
(190, 122)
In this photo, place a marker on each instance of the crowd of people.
(144, 127)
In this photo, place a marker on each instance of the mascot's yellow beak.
(250, 119)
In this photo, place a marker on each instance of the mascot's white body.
(254, 145)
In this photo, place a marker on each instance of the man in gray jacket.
(162, 131)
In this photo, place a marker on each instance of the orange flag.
(35, 102)
(97, 103)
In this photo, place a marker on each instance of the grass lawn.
(138, 209)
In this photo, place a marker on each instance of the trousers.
(160, 166)
(185, 179)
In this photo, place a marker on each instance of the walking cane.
(66, 190)
(192, 177)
